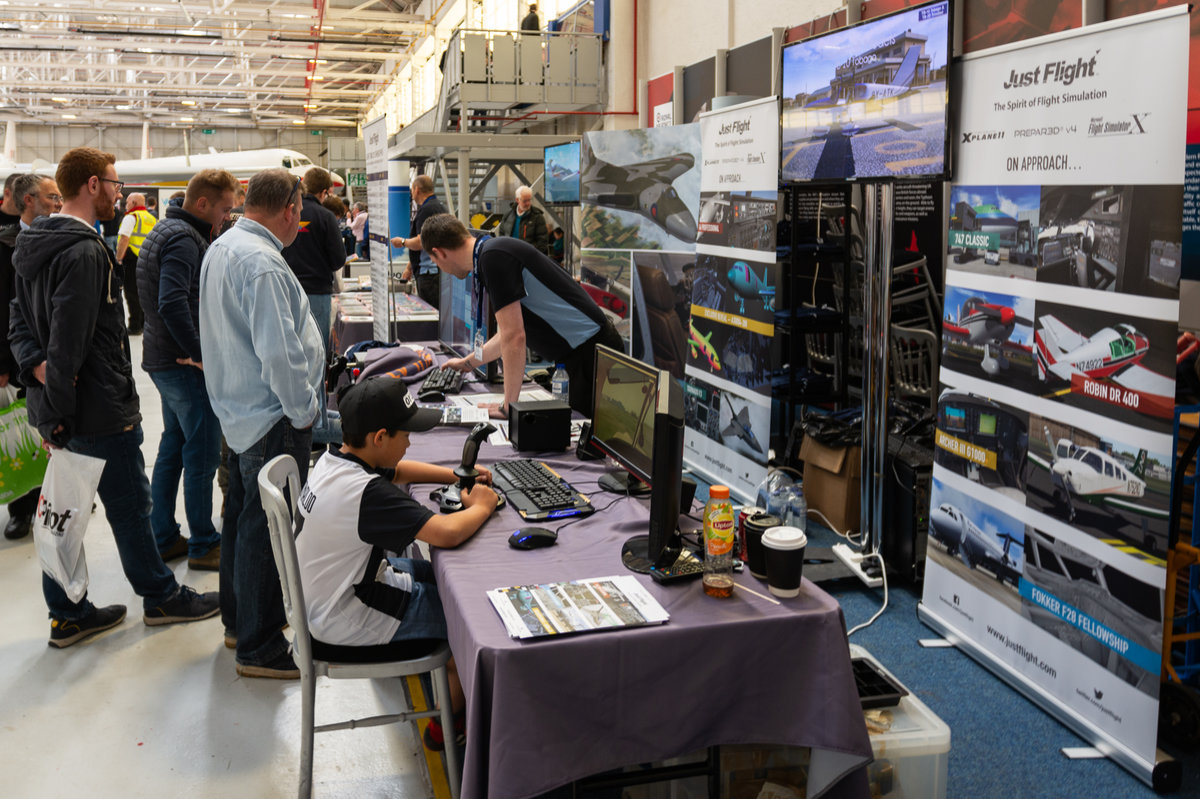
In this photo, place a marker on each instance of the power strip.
(853, 561)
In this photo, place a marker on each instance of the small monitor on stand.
(638, 421)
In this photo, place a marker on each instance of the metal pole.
(866, 492)
(882, 341)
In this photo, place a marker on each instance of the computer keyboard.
(443, 379)
(537, 492)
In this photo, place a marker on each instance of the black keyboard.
(537, 492)
(444, 379)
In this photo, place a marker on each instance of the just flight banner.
(375, 145)
(728, 373)
(1057, 114)
(1050, 497)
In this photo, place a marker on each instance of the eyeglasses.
(297, 188)
(54, 198)
(120, 184)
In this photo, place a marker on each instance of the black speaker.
(542, 426)
(907, 474)
(584, 450)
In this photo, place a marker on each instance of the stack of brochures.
(598, 603)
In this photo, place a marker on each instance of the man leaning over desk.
(537, 304)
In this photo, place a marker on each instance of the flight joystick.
(449, 498)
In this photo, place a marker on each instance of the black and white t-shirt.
(559, 316)
(351, 518)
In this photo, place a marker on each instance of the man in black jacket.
(315, 257)
(168, 284)
(33, 196)
(526, 222)
(69, 339)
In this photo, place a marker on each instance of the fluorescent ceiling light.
(187, 102)
(60, 99)
(186, 119)
(69, 116)
(297, 121)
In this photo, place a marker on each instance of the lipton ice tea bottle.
(718, 543)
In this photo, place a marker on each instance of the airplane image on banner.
(1093, 476)
(988, 325)
(747, 285)
(700, 343)
(739, 425)
(1112, 353)
(965, 540)
(646, 189)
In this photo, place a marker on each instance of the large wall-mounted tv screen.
(869, 102)
(561, 163)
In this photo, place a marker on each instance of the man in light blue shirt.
(263, 381)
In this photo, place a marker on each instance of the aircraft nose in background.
(682, 225)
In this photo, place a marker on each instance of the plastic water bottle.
(559, 383)
(798, 507)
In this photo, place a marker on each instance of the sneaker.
(281, 668)
(208, 562)
(18, 527)
(435, 740)
(176, 551)
(64, 633)
(186, 605)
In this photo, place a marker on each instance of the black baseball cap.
(383, 403)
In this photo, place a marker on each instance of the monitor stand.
(619, 481)
(635, 553)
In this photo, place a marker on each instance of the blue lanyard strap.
(478, 283)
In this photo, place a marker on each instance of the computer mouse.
(432, 395)
(532, 538)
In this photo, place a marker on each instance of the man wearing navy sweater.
(168, 284)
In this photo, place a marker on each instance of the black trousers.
(429, 288)
(581, 367)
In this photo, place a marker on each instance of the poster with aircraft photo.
(732, 320)
(1055, 421)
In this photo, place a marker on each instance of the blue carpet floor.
(1001, 744)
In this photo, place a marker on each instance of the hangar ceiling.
(240, 63)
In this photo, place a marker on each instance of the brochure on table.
(589, 605)
(1048, 520)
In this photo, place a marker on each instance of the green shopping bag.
(22, 459)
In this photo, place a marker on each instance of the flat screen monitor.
(868, 102)
(561, 163)
(638, 421)
(461, 301)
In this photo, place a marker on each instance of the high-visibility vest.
(141, 228)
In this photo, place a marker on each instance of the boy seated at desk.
(354, 517)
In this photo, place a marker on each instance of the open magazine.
(597, 603)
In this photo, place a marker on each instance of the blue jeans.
(191, 447)
(251, 598)
(125, 492)
(424, 617)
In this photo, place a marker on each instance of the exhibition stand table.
(353, 319)
(544, 713)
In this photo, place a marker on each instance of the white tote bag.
(62, 518)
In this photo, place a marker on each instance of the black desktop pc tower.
(908, 472)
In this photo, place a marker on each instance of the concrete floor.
(141, 711)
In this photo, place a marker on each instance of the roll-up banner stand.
(1051, 483)
(375, 141)
(727, 391)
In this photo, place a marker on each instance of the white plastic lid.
(785, 538)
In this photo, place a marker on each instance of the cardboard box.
(831, 482)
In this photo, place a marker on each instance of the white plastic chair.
(277, 476)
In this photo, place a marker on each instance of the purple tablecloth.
(543, 713)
